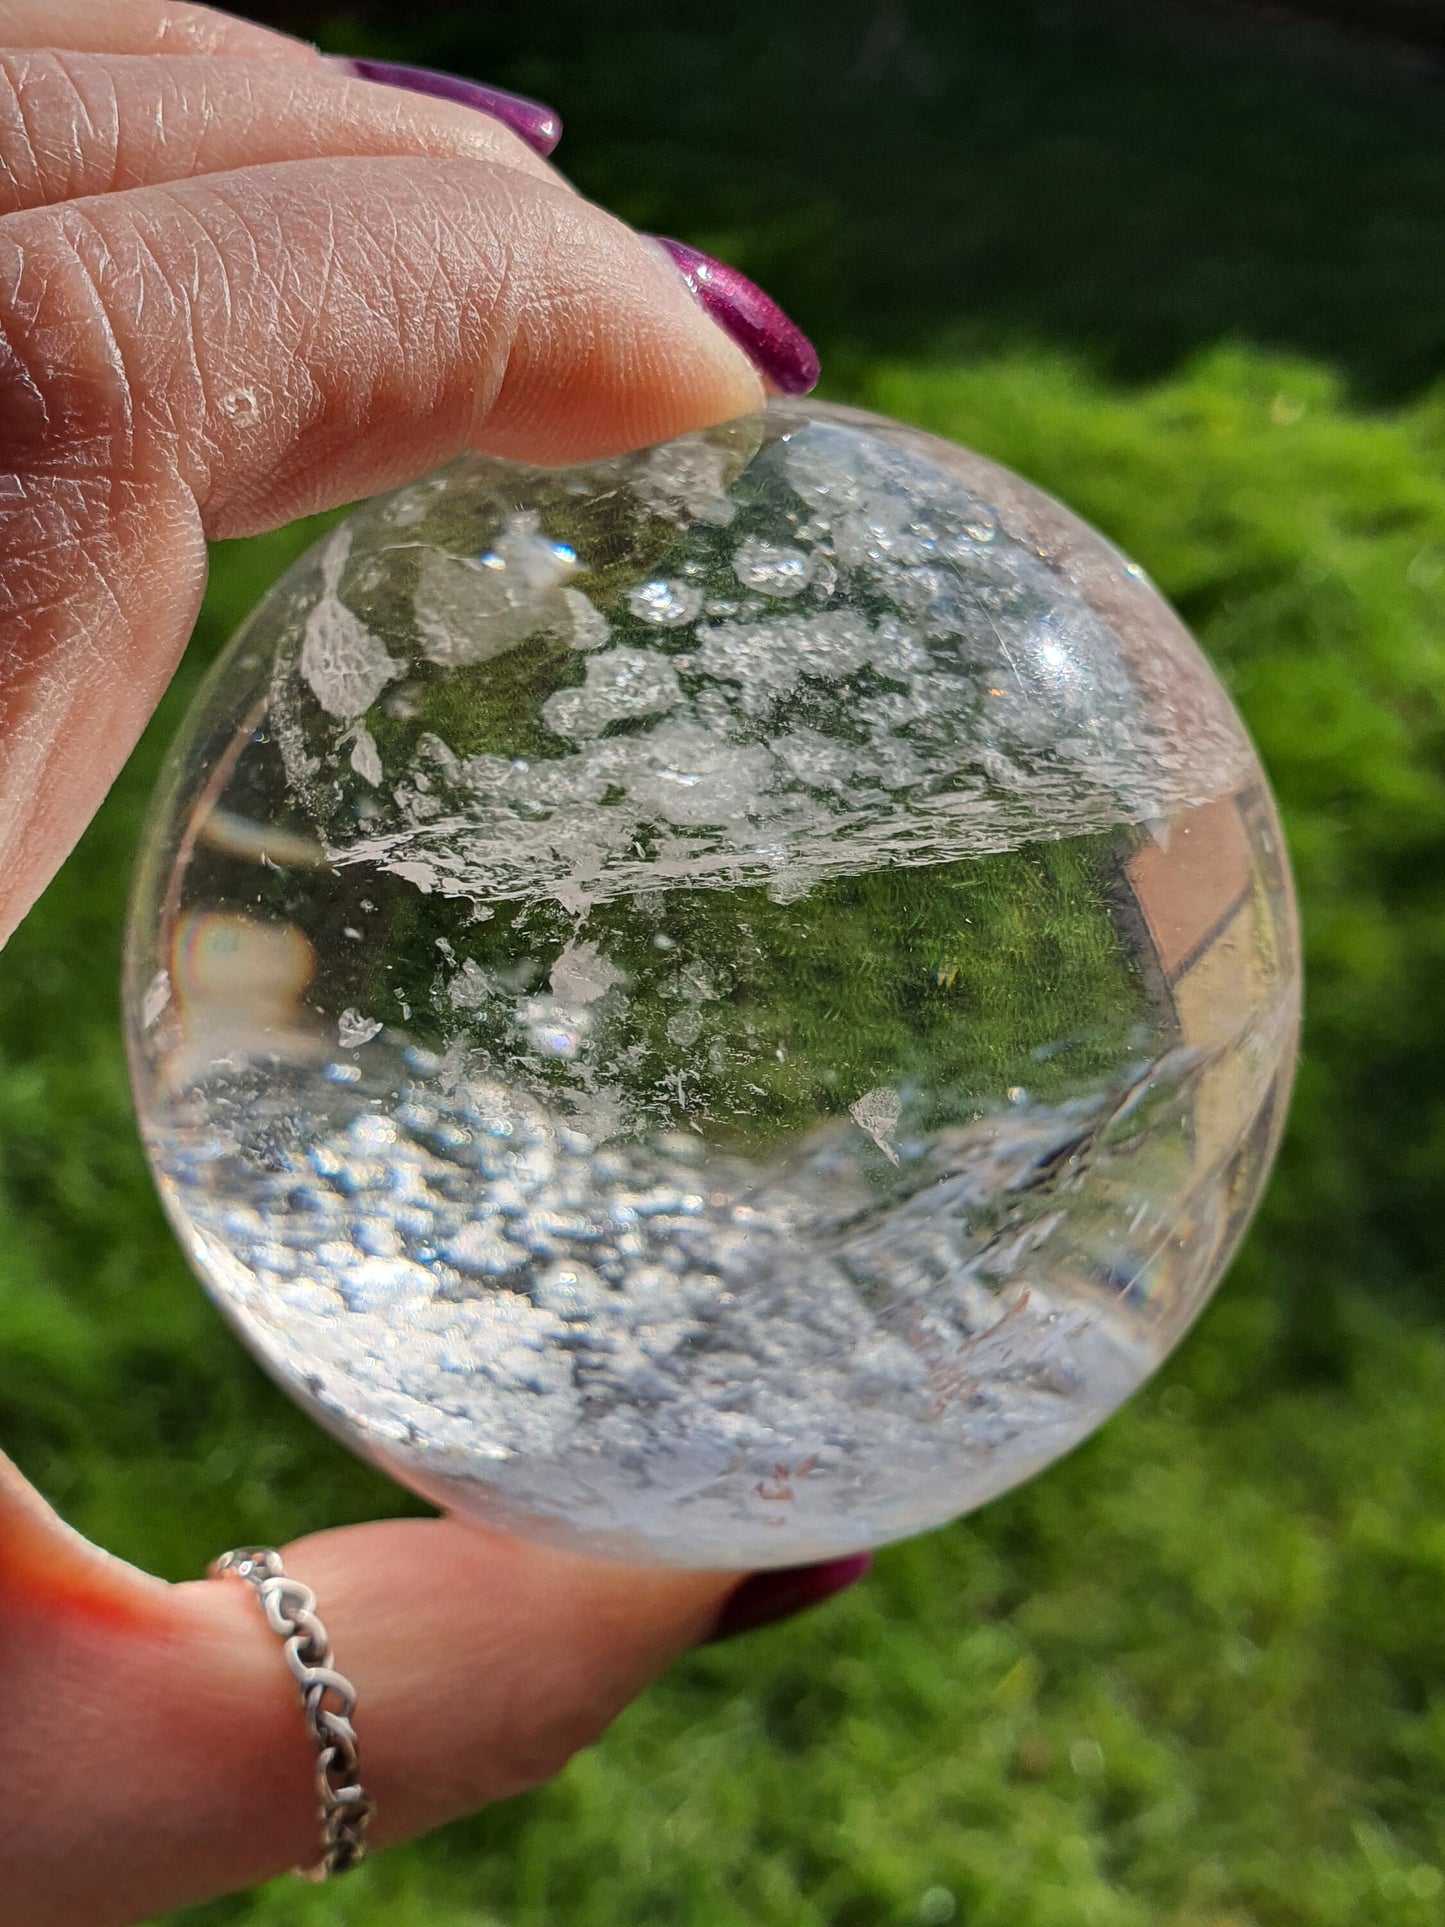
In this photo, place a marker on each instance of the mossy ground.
(1195, 1676)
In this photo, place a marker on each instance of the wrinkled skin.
(236, 287)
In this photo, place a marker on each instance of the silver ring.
(328, 1700)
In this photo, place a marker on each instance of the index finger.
(217, 356)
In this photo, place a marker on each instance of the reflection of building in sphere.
(1199, 890)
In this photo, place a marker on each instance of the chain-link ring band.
(328, 1700)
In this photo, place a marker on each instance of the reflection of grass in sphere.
(945, 978)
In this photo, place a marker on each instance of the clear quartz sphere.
(719, 1007)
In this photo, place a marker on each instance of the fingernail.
(776, 347)
(538, 126)
(767, 1597)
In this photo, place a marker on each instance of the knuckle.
(60, 128)
(66, 400)
(20, 167)
(64, 422)
(120, 331)
(412, 123)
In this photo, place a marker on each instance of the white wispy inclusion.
(919, 687)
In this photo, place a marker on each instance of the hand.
(239, 283)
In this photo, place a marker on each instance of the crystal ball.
(715, 1008)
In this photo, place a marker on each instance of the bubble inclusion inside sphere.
(718, 1007)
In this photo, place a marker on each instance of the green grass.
(1196, 1674)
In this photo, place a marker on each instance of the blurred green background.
(1189, 274)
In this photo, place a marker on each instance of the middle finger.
(81, 124)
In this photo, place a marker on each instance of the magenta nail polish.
(780, 351)
(767, 1597)
(537, 125)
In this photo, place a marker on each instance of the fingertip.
(768, 1598)
(530, 120)
(772, 341)
(612, 351)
